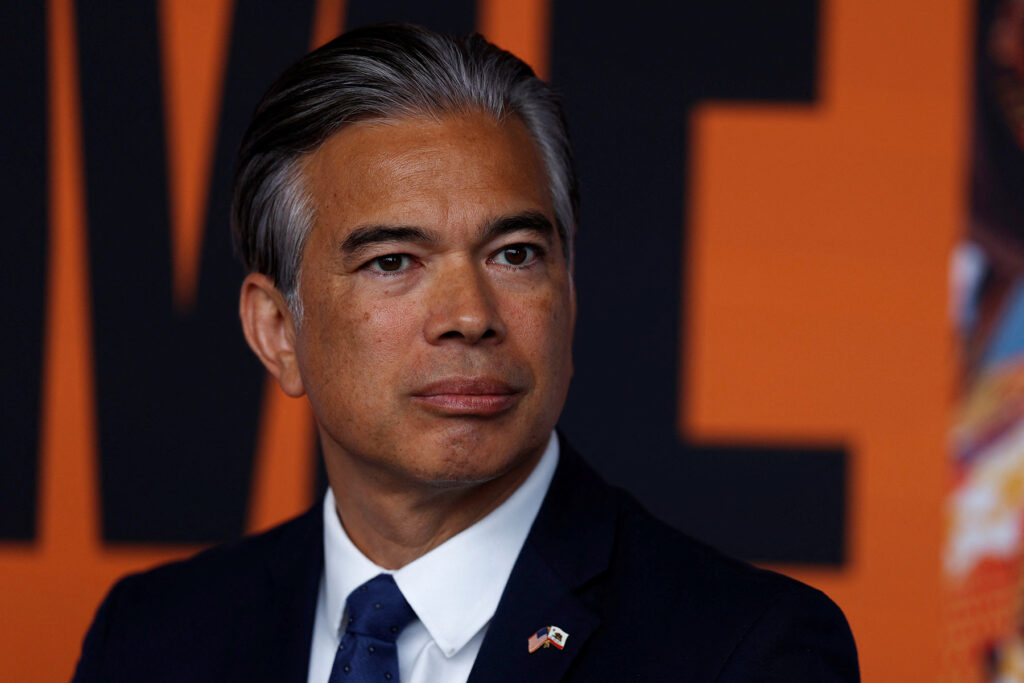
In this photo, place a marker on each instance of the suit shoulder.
(667, 557)
(152, 618)
(206, 571)
(739, 617)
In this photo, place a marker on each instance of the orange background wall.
(840, 216)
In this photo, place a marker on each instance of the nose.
(463, 307)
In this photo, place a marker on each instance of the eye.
(516, 255)
(390, 263)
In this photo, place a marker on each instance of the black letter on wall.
(629, 74)
(23, 196)
(178, 393)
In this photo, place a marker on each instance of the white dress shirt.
(454, 589)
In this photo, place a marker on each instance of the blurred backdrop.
(799, 266)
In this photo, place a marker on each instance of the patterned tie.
(377, 613)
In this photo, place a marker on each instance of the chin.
(467, 459)
(456, 469)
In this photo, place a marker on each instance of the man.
(405, 204)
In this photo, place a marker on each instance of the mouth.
(476, 396)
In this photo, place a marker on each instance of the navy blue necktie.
(377, 613)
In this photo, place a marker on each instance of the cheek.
(387, 327)
(347, 341)
(543, 326)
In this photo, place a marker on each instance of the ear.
(270, 331)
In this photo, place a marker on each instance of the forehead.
(453, 171)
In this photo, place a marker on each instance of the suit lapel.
(277, 640)
(569, 544)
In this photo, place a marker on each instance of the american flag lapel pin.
(546, 637)
(537, 640)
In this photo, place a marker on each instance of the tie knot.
(378, 609)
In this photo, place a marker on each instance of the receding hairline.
(300, 165)
(304, 160)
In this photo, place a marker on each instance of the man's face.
(436, 337)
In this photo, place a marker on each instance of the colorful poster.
(984, 554)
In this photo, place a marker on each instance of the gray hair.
(386, 71)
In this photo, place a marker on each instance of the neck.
(394, 521)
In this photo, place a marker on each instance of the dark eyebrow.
(533, 221)
(368, 235)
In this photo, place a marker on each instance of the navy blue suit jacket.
(639, 600)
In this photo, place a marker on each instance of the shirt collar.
(455, 588)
